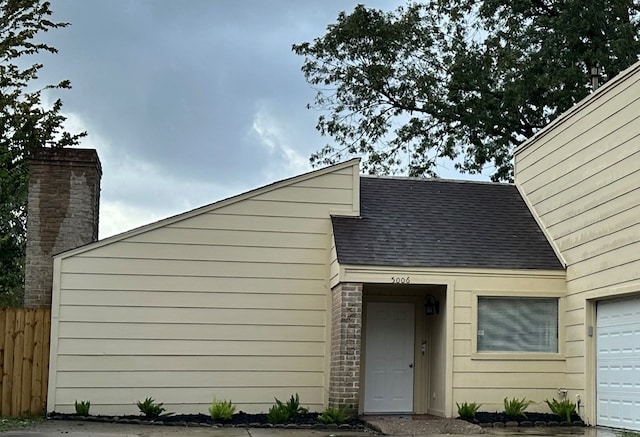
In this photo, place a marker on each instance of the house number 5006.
(400, 280)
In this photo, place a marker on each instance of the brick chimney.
(62, 213)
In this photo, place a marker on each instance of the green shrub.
(221, 410)
(565, 408)
(293, 406)
(335, 415)
(468, 411)
(281, 411)
(152, 409)
(278, 413)
(82, 408)
(516, 407)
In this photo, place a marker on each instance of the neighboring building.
(387, 294)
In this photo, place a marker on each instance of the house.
(386, 294)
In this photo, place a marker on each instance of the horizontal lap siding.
(582, 182)
(334, 266)
(489, 381)
(227, 300)
(198, 316)
(114, 400)
(581, 179)
(230, 303)
(202, 284)
(190, 331)
(307, 267)
(603, 116)
(170, 363)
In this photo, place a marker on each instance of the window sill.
(517, 356)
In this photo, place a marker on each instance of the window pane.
(512, 324)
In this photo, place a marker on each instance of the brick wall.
(346, 330)
(62, 213)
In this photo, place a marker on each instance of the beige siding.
(93, 281)
(228, 301)
(460, 374)
(334, 266)
(581, 180)
(487, 380)
(580, 176)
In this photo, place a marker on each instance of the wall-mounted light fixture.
(431, 305)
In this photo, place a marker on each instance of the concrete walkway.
(59, 428)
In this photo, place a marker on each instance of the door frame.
(380, 291)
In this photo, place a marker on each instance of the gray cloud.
(189, 101)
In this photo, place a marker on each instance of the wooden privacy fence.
(24, 360)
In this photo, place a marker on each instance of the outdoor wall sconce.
(431, 305)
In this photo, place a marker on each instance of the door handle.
(411, 366)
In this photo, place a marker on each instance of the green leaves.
(25, 124)
(82, 408)
(458, 79)
(335, 414)
(467, 410)
(364, 71)
(281, 412)
(150, 408)
(564, 408)
(516, 407)
(221, 410)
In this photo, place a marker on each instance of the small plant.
(293, 406)
(82, 408)
(281, 411)
(468, 411)
(278, 413)
(335, 415)
(565, 408)
(516, 407)
(152, 409)
(221, 410)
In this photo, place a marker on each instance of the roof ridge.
(427, 179)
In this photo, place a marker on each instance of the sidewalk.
(60, 428)
(57, 428)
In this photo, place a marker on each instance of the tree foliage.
(459, 79)
(25, 125)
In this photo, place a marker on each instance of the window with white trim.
(517, 324)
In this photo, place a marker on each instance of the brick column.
(62, 213)
(346, 330)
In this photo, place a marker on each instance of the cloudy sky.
(188, 102)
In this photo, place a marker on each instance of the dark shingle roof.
(439, 223)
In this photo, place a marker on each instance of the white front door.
(388, 382)
(618, 363)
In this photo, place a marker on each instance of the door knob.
(411, 366)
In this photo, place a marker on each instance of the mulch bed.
(486, 419)
(238, 420)
(310, 420)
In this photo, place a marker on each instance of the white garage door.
(618, 363)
